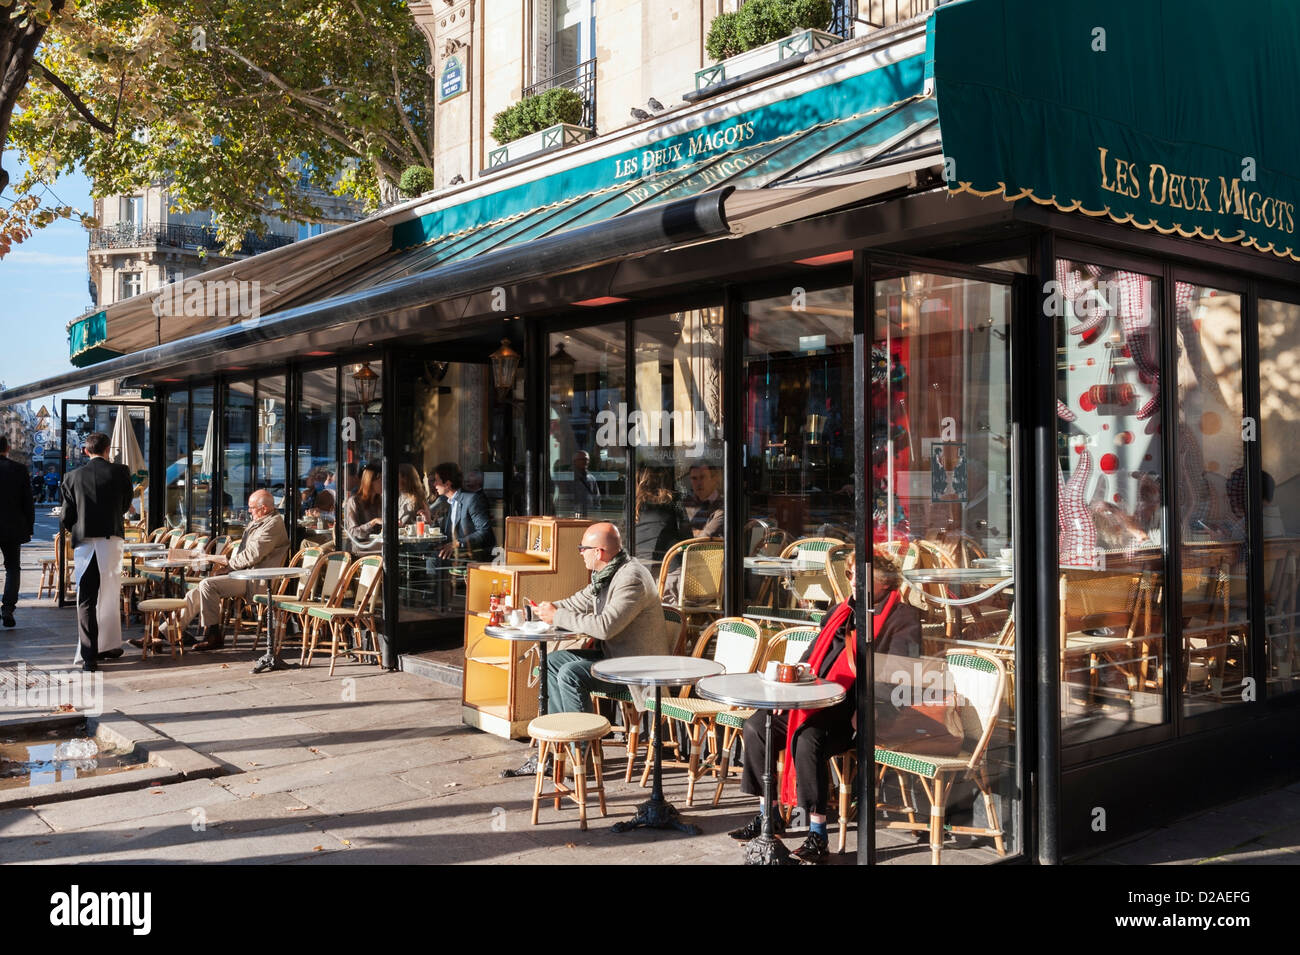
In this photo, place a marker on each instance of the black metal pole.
(733, 474)
(864, 297)
(391, 648)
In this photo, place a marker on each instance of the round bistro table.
(658, 672)
(751, 690)
(271, 659)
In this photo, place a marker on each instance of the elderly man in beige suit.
(620, 609)
(265, 544)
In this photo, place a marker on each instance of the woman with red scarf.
(811, 737)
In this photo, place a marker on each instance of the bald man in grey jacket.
(619, 609)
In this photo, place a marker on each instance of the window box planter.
(544, 140)
(787, 48)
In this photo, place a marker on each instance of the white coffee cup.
(516, 618)
(769, 671)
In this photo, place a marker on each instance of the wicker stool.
(154, 609)
(49, 577)
(560, 732)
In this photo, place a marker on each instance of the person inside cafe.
(469, 520)
(412, 505)
(704, 506)
(265, 543)
(619, 610)
(659, 517)
(321, 513)
(811, 737)
(363, 515)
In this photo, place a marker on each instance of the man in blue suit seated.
(469, 521)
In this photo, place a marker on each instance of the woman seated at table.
(811, 737)
(412, 504)
(363, 516)
(321, 512)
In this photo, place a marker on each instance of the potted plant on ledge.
(760, 34)
(537, 124)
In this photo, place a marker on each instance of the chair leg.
(655, 728)
(724, 760)
(693, 767)
(579, 756)
(334, 645)
(558, 780)
(632, 723)
(541, 777)
(599, 761)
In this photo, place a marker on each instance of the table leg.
(529, 768)
(767, 849)
(270, 660)
(656, 812)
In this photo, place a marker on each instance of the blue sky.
(42, 287)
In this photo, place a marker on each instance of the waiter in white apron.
(95, 496)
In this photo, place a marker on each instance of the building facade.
(983, 303)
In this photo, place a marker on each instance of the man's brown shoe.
(213, 639)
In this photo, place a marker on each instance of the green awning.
(85, 340)
(1178, 117)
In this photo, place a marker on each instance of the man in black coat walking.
(17, 519)
(95, 496)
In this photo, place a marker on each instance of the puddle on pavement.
(41, 757)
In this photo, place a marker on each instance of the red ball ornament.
(1109, 463)
(1085, 402)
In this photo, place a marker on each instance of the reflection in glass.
(589, 424)
(363, 455)
(1212, 495)
(676, 432)
(798, 448)
(202, 460)
(1111, 474)
(1279, 492)
(271, 461)
(318, 456)
(237, 466)
(942, 576)
(176, 450)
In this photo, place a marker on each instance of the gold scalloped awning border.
(1239, 239)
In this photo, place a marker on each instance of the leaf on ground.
(225, 666)
(296, 808)
(570, 845)
(254, 764)
(347, 842)
(449, 785)
(317, 848)
(312, 749)
(156, 792)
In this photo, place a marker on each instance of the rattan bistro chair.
(788, 646)
(978, 677)
(691, 577)
(318, 589)
(737, 643)
(366, 579)
(675, 640)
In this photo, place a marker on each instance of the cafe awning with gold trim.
(1176, 117)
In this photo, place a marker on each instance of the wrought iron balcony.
(876, 14)
(582, 80)
(178, 236)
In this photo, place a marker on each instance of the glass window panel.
(271, 459)
(940, 472)
(588, 459)
(1211, 497)
(202, 461)
(1279, 492)
(676, 432)
(1111, 472)
(318, 426)
(363, 456)
(176, 451)
(798, 457)
(237, 466)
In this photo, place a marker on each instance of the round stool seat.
(132, 581)
(161, 604)
(568, 727)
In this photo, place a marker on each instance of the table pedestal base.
(657, 814)
(767, 850)
(269, 661)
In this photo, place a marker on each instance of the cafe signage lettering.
(1163, 186)
(669, 153)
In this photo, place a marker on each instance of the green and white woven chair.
(317, 589)
(787, 647)
(811, 585)
(978, 677)
(737, 643)
(351, 619)
(287, 589)
(690, 577)
(675, 640)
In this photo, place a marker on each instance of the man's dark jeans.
(13, 574)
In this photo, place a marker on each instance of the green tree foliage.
(534, 113)
(760, 22)
(244, 107)
(416, 181)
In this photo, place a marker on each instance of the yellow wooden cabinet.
(541, 563)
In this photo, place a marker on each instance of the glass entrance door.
(942, 568)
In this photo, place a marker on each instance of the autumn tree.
(243, 108)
